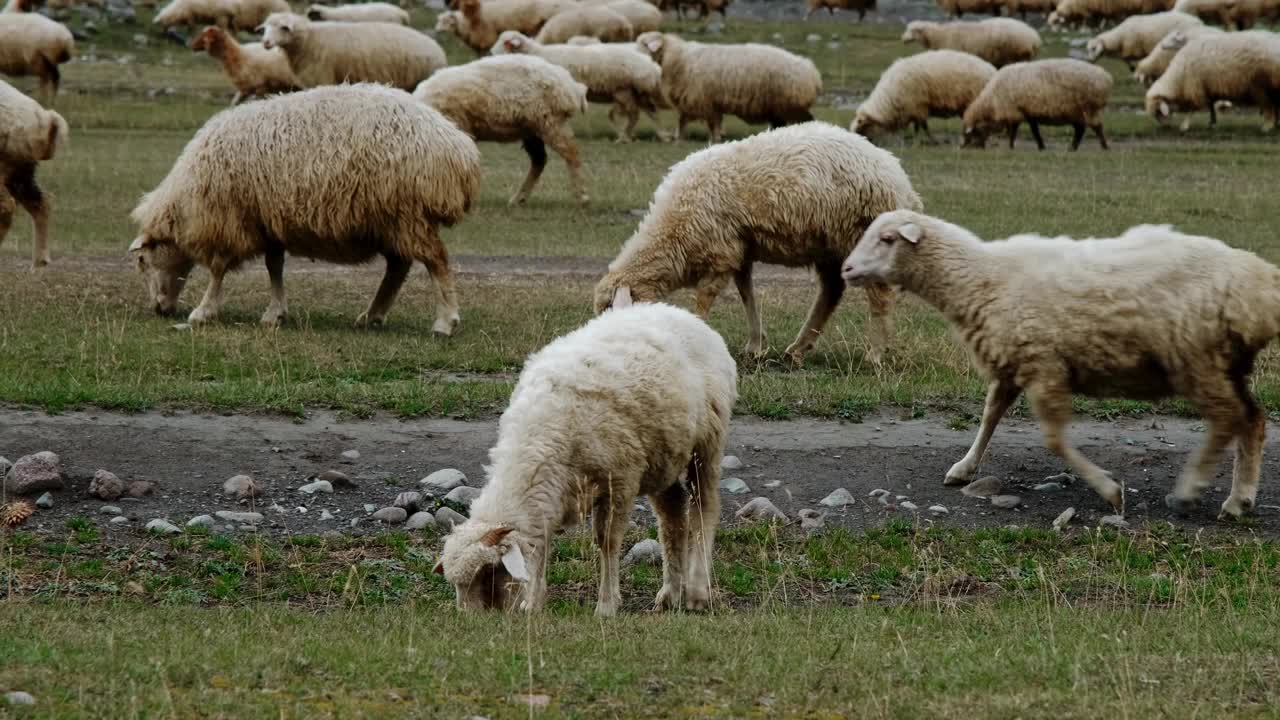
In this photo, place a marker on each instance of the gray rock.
(1061, 478)
(908, 505)
(811, 520)
(326, 515)
(730, 462)
(409, 500)
(141, 489)
(878, 492)
(1063, 518)
(939, 509)
(773, 484)
(231, 516)
(119, 520)
(36, 473)
(110, 510)
(648, 551)
(1006, 502)
(242, 487)
(336, 479)
(45, 501)
(447, 518)
(1115, 521)
(205, 521)
(106, 486)
(17, 697)
(319, 486)
(760, 510)
(391, 515)
(442, 481)
(734, 485)
(463, 495)
(983, 487)
(838, 498)
(1049, 487)
(370, 508)
(160, 525)
(351, 455)
(419, 520)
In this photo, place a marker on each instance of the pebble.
(1115, 521)
(141, 488)
(811, 520)
(110, 510)
(369, 507)
(878, 492)
(242, 486)
(351, 455)
(838, 498)
(760, 510)
(391, 515)
(812, 38)
(1049, 487)
(448, 517)
(730, 462)
(463, 495)
(250, 518)
(648, 551)
(983, 487)
(939, 509)
(312, 488)
(442, 481)
(908, 505)
(326, 515)
(106, 486)
(409, 500)
(205, 521)
(1064, 518)
(161, 525)
(1006, 502)
(17, 697)
(336, 479)
(301, 510)
(45, 501)
(734, 485)
(34, 473)
(119, 520)
(773, 484)
(419, 520)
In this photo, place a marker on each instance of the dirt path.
(188, 457)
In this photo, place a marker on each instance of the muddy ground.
(188, 456)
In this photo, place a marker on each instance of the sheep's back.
(337, 52)
(749, 80)
(503, 97)
(1051, 89)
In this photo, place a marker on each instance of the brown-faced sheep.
(253, 70)
(29, 135)
(1241, 67)
(935, 83)
(32, 44)
(599, 21)
(359, 12)
(1049, 92)
(1135, 38)
(999, 41)
(859, 6)
(329, 53)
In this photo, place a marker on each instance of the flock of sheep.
(373, 150)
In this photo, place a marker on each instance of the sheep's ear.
(910, 232)
(622, 297)
(439, 568)
(513, 561)
(1164, 108)
(140, 243)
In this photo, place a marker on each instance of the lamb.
(957, 8)
(328, 53)
(1146, 315)
(514, 97)
(999, 41)
(192, 13)
(613, 73)
(937, 83)
(250, 14)
(1157, 61)
(253, 70)
(29, 135)
(797, 196)
(1094, 12)
(624, 405)
(859, 6)
(1052, 92)
(758, 83)
(341, 174)
(32, 44)
(599, 21)
(359, 12)
(478, 25)
(1135, 38)
(1241, 67)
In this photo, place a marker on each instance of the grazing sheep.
(1137, 36)
(359, 12)
(1022, 8)
(1157, 61)
(250, 14)
(758, 83)
(1217, 12)
(1241, 67)
(613, 73)
(1094, 12)
(341, 174)
(999, 41)
(599, 21)
(1147, 315)
(29, 135)
(799, 196)
(624, 405)
(935, 83)
(478, 24)
(957, 8)
(193, 13)
(512, 98)
(642, 16)
(859, 6)
(32, 44)
(253, 70)
(329, 53)
(1052, 92)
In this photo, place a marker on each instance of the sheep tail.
(582, 97)
(51, 135)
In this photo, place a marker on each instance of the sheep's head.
(913, 33)
(652, 44)
(1056, 20)
(874, 258)
(1174, 41)
(510, 42)
(1094, 49)
(865, 124)
(280, 29)
(206, 40)
(448, 22)
(1158, 107)
(485, 565)
(165, 267)
(975, 135)
(612, 297)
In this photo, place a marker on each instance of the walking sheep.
(1147, 315)
(253, 69)
(29, 134)
(1052, 92)
(193, 13)
(999, 41)
(1137, 36)
(478, 24)
(32, 44)
(250, 14)
(329, 53)
(599, 21)
(341, 174)
(1241, 67)
(859, 6)
(1096, 12)
(1157, 61)
(359, 12)
(799, 196)
(935, 83)
(620, 407)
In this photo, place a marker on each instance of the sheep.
(624, 405)
(1022, 7)
(957, 8)
(250, 14)
(29, 135)
(797, 196)
(327, 53)
(1157, 61)
(478, 25)
(514, 97)
(1094, 12)
(18, 6)
(1138, 35)
(999, 41)
(1052, 92)
(705, 7)
(642, 16)
(32, 44)
(1146, 315)
(859, 6)
(359, 12)
(1241, 67)
(192, 13)
(758, 83)
(341, 173)
(1250, 12)
(583, 41)
(595, 20)
(1217, 12)
(938, 83)
(253, 69)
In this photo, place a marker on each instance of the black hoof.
(1180, 505)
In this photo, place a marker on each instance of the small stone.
(878, 492)
(773, 484)
(448, 518)
(983, 487)
(1063, 518)
(106, 486)
(647, 551)
(311, 488)
(419, 520)
(141, 489)
(1061, 478)
(336, 479)
(939, 509)
(908, 506)
(734, 485)
(160, 525)
(760, 510)
(17, 697)
(119, 520)
(463, 495)
(838, 498)
(204, 521)
(34, 473)
(442, 481)
(110, 510)
(242, 487)
(45, 501)
(369, 508)
(391, 515)
(301, 510)
(351, 455)
(1115, 521)
(409, 500)
(730, 462)
(1049, 487)
(1006, 502)
(326, 515)
(811, 520)
(813, 38)
(231, 516)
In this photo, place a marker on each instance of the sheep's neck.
(950, 276)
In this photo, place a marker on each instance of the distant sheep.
(999, 41)
(799, 196)
(935, 83)
(957, 8)
(599, 21)
(1135, 38)
(359, 12)
(29, 135)
(1216, 12)
(1049, 92)
(342, 174)
(478, 24)
(627, 404)
(1022, 8)
(329, 53)
(193, 13)
(1146, 315)
(250, 14)
(1157, 61)
(1095, 12)
(642, 16)
(32, 44)
(859, 6)
(1241, 67)
(253, 70)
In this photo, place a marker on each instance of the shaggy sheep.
(193, 13)
(1094, 12)
(1147, 315)
(328, 53)
(859, 6)
(799, 196)
(512, 98)
(341, 174)
(1022, 8)
(250, 14)
(1157, 61)
(29, 134)
(935, 83)
(1241, 67)
(642, 16)
(599, 21)
(32, 44)
(1217, 12)
(624, 405)
(253, 69)
(478, 25)
(758, 83)
(999, 41)
(359, 12)
(1137, 36)
(1052, 92)
(957, 8)
(613, 73)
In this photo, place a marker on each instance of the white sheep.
(957, 8)
(328, 53)
(29, 135)
(1241, 67)
(253, 70)
(478, 24)
(1217, 12)
(1144, 316)
(643, 16)
(1022, 8)
(1095, 12)
(510, 98)
(859, 6)
(192, 13)
(1048, 92)
(32, 44)
(758, 83)
(1151, 67)
(934, 83)
(999, 41)
(359, 12)
(1135, 38)
(799, 196)
(249, 15)
(342, 174)
(627, 404)
(613, 73)
(599, 21)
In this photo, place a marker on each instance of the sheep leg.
(1035, 133)
(682, 123)
(1248, 465)
(1013, 134)
(708, 290)
(1000, 395)
(672, 508)
(610, 521)
(537, 151)
(211, 304)
(1226, 417)
(755, 328)
(7, 207)
(22, 186)
(624, 104)
(704, 481)
(50, 77)
(238, 97)
(1102, 137)
(278, 308)
(436, 258)
(1213, 113)
(565, 146)
(1051, 403)
(713, 127)
(397, 270)
(830, 289)
(880, 320)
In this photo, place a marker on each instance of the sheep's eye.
(888, 238)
